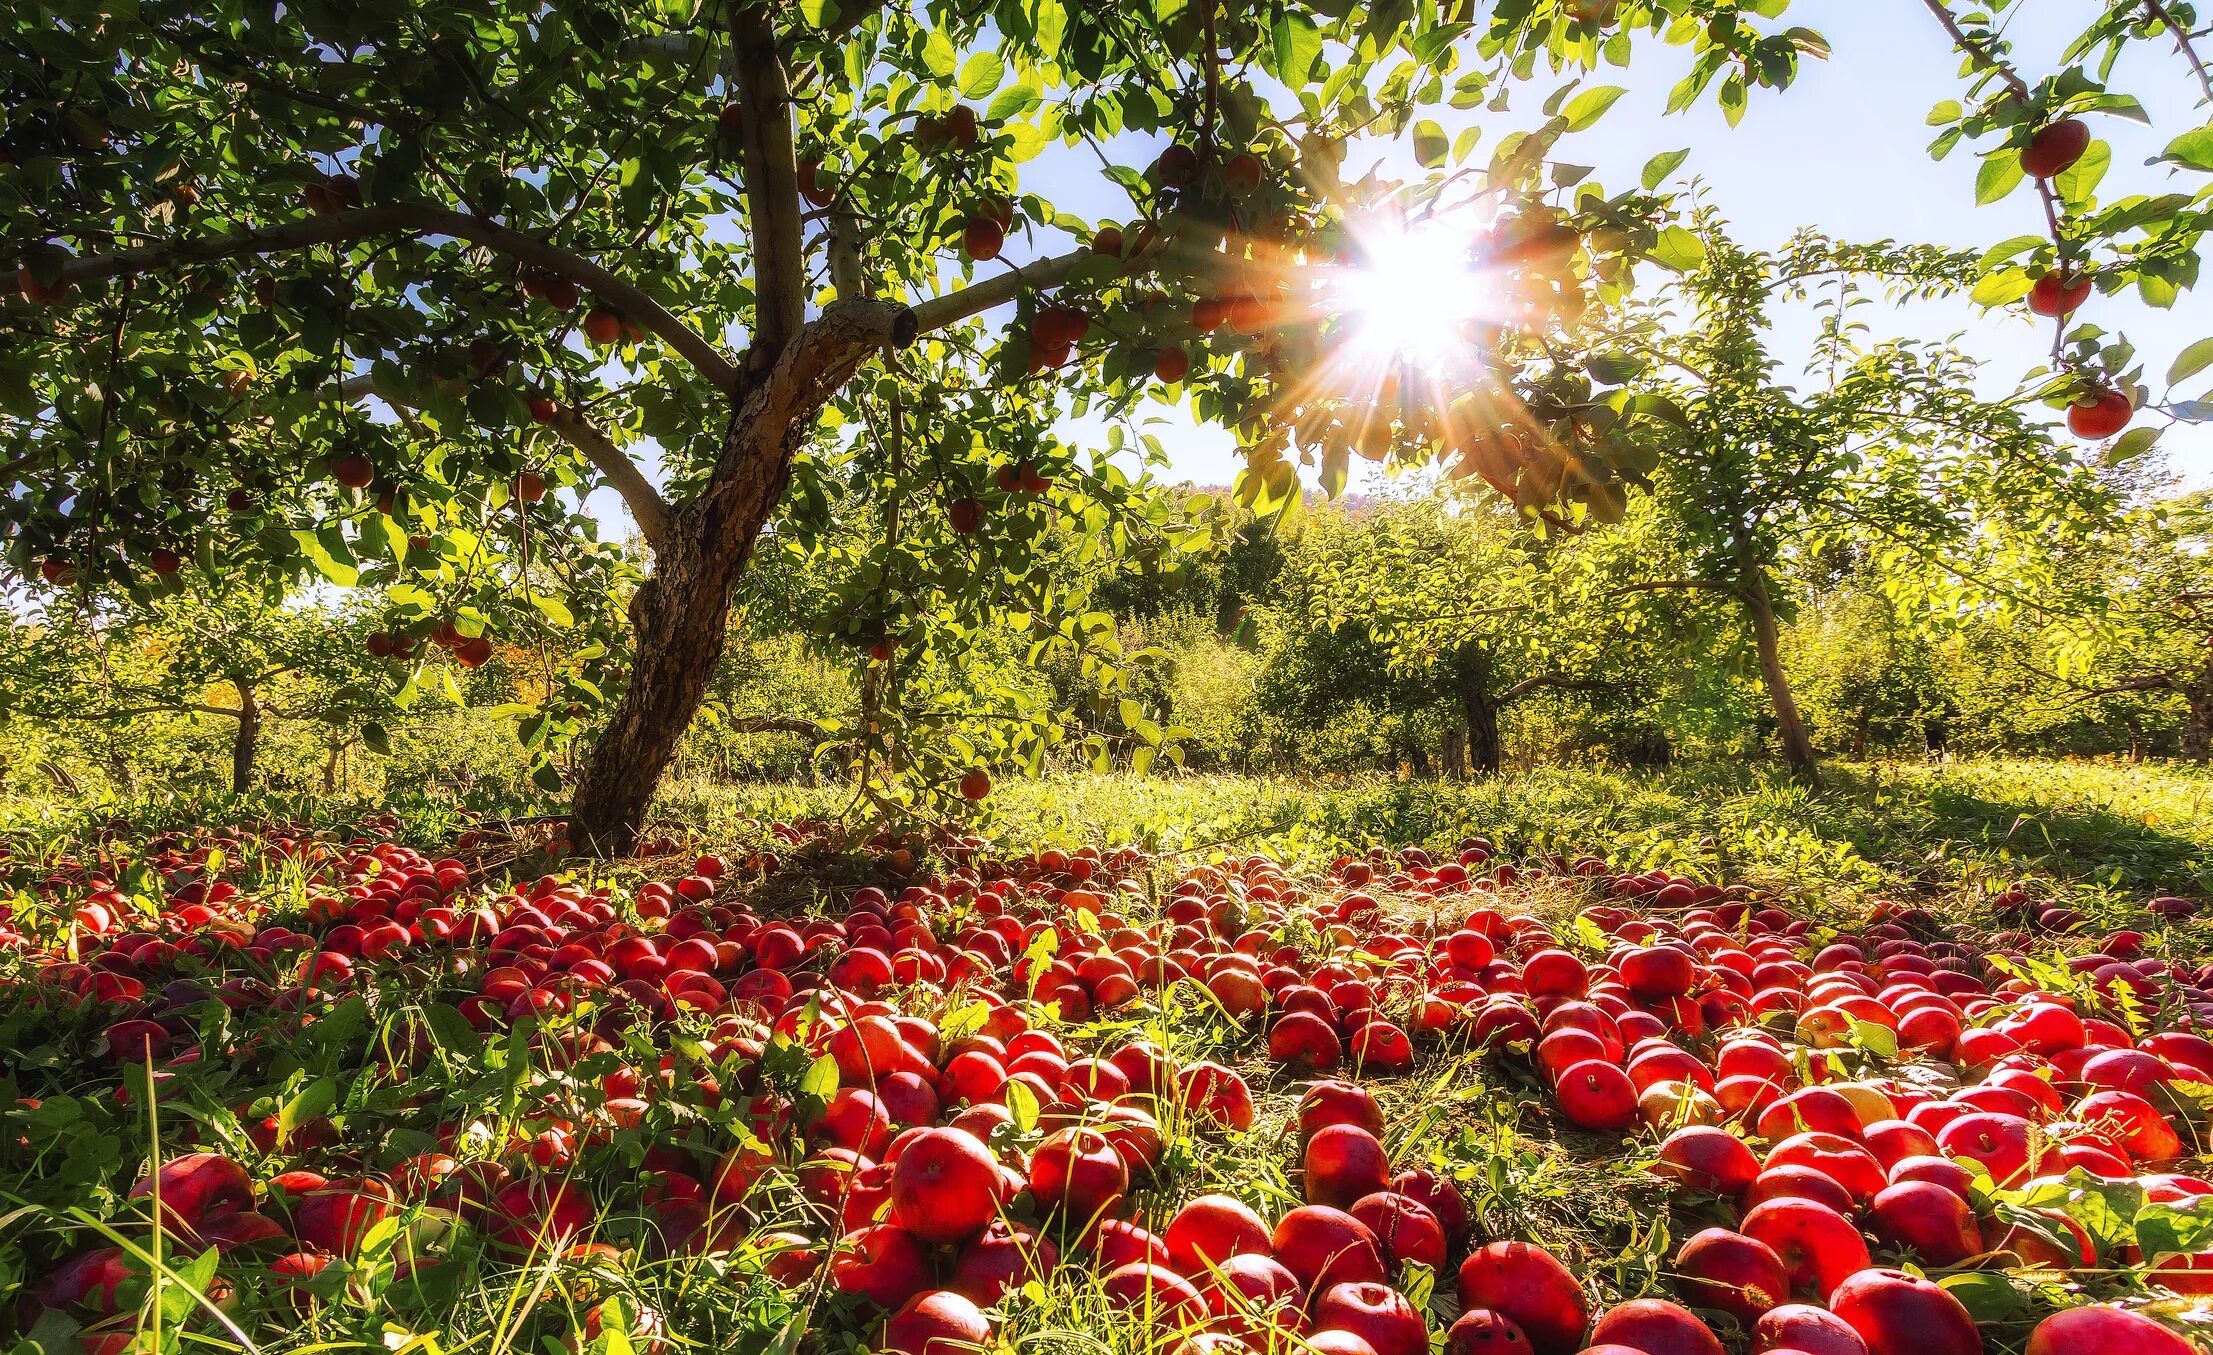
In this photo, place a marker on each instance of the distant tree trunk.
(119, 771)
(330, 767)
(246, 741)
(2197, 727)
(1420, 760)
(1479, 707)
(1454, 754)
(1790, 726)
(1860, 722)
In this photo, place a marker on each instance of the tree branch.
(645, 503)
(417, 218)
(778, 724)
(1657, 585)
(954, 307)
(2181, 34)
(771, 187)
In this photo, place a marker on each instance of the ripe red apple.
(530, 486)
(1598, 1096)
(2104, 1331)
(945, 1186)
(983, 238)
(352, 470)
(1328, 1103)
(1005, 1257)
(1405, 1228)
(1655, 1327)
(1210, 1230)
(2099, 415)
(2058, 293)
(1900, 1314)
(1255, 1296)
(1803, 1327)
(936, 1322)
(602, 326)
(1177, 166)
(975, 784)
(1933, 1221)
(1344, 1162)
(1819, 1247)
(1479, 1331)
(1325, 1246)
(1738, 1275)
(2055, 148)
(1155, 1293)
(1529, 1286)
(1076, 1175)
(1707, 1158)
(1376, 1313)
(885, 1262)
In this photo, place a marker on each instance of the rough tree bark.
(1790, 726)
(681, 614)
(246, 742)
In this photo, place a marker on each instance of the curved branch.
(418, 218)
(647, 507)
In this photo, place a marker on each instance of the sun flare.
(1415, 295)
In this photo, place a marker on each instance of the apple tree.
(1888, 452)
(299, 285)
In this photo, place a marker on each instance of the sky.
(1843, 150)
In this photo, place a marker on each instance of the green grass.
(2091, 830)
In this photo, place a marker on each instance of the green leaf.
(1659, 167)
(939, 55)
(1022, 1105)
(1876, 1039)
(2131, 445)
(1680, 250)
(2193, 149)
(1588, 107)
(1298, 43)
(547, 777)
(2002, 288)
(554, 610)
(2190, 361)
(1431, 145)
(313, 1102)
(1013, 102)
(2000, 174)
(377, 739)
(2082, 178)
(982, 74)
(1946, 113)
(330, 566)
(821, 1080)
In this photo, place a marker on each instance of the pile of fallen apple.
(915, 1108)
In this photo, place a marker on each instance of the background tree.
(1893, 448)
(236, 655)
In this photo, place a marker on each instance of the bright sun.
(1414, 295)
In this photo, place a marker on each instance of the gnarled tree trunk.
(681, 614)
(1790, 726)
